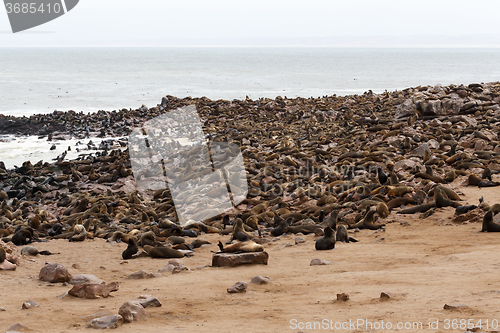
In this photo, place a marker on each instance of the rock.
(454, 306)
(29, 250)
(260, 279)
(343, 297)
(93, 290)
(422, 148)
(168, 269)
(113, 321)
(29, 304)
(85, 278)
(147, 301)
(233, 259)
(299, 240)
(316, 262)
(238, 287)
(404, 164)
(2, 309)
(132, 311)
(55, 273)
(18, 328)
(480, 145)
(142, 274)
(433, 144)
(384, 295)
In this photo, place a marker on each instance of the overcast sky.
(265, 22)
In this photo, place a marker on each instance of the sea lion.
(162, 252)
(239, 232)
(343, 236)
(442, 201)
(369, 221)
(23, 237)
(488, 224)
(174, 240)
(131, 249)
(382, 210)
(148, 238)
(397, 202)
(246, 246)
(327, 242)
(305, 229)
(464, 209)
(418, 209)
(80, 233)
(199, 242)
(279, 229)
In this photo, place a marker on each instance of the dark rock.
(232, 259)
(55, 273)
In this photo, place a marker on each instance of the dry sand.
(424, 266)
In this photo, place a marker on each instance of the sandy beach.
(422, 266)
(438, 273)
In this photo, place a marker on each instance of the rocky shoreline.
(307, 160)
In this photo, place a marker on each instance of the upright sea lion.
(239, 232)
(442, 201)
(162, 252)
(327, 242)
(343, 236)
(488, 224)
(130, 250)
(80, 233)
(382, 210)
(246, 246)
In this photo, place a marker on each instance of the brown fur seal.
(148, 238)
(239, 232)
(305, 229)
(246, 246)
(369, 221)
(23, 237)
(488, 224)
(79, 233)
(162, 252)
(199, 242)
(130, 250)
(442, 201)
(397, 202)
(327, 242)
(418, 209)
(382, 210)
(343, 236)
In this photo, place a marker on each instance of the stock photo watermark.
(27, 14)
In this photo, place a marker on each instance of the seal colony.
(312, 164)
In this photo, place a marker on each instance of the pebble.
(238, 287)
(317, 262)
(343, 297)
(113, 321)
(260, 279)
(142, 274)
(30, 304)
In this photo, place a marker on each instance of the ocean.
(41, 80)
